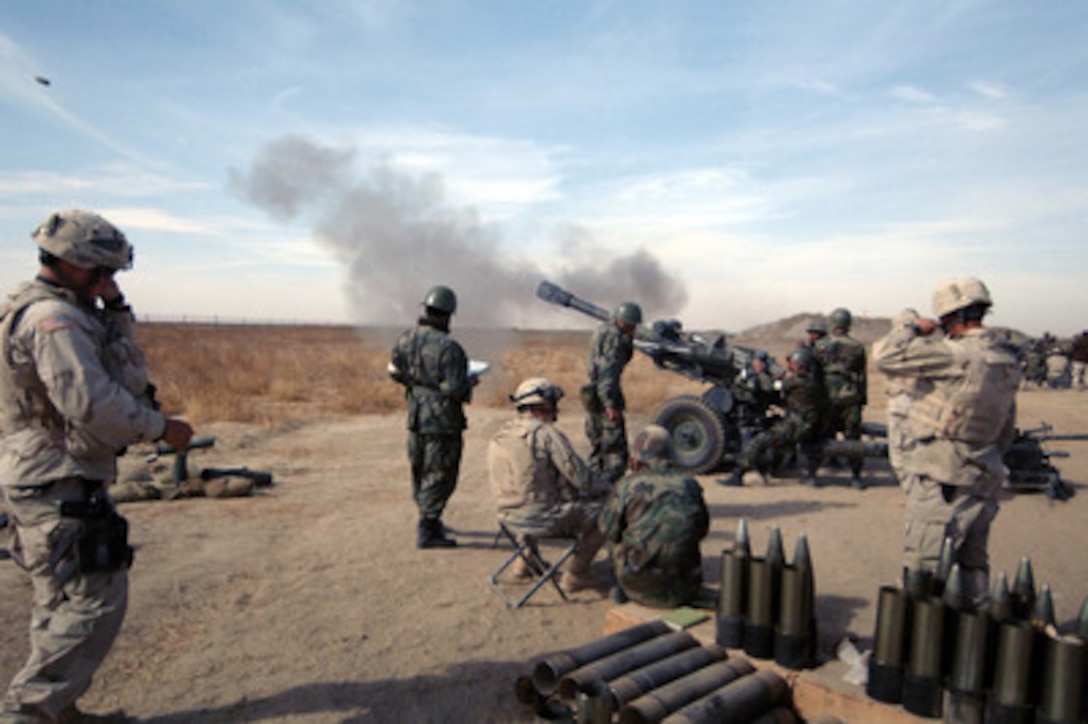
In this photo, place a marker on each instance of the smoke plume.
(397, 236)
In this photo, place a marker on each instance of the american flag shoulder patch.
(56, 323)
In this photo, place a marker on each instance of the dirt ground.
(310, 603)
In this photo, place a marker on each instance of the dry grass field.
(276, 374)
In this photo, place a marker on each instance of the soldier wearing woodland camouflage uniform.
(961, 419)
(841, 359)
(654, 522)
(541, 485)
(609, 352)
(73, 393)
(433, 368)
(805, 401)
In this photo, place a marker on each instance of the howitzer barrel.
(557, 295)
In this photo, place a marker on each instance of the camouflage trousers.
(75, 616)
(899, 441)
(963, 514)
(846, 418)
(608, 445)
(436, 463)
(656, 587)
(780, 440)
(577, 518)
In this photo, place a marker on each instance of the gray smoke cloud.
(397, 236)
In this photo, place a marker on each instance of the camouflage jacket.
(655, 520)
(842, 359)
(73, 387)
(805, 397)
(609, 352)
(963, 414)
(533, 468)
(433, 368)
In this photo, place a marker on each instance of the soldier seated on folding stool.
(542, 487)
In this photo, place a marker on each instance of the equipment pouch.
(103, 545)
(590, 400)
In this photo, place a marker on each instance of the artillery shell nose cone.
(776, 553)
(1000, 608)
(1025, 577)
(1042, 613)
(801, 556)
(742, 544)
(954, 589)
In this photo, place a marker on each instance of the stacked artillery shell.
(658, 703)
(1062, 700)
(764, 584)
(887, 663)
(743, 700)
(796, 634)
(968, 641)
(548, 670)
(733, 597)
(623, 661)
(1010, 700)
(636, 683)
(594, 703)
(922, 685)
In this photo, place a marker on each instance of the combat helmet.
(816, 325)
(653, 443)
(537, 391)
(803, 357)
(960, 293)
(84, 239)
(840, 318)
(442, 299)
(628, 313)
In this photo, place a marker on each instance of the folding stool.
(527, 549)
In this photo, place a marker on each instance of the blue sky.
(729, 163)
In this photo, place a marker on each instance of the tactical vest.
(23, 397)
(975, 408)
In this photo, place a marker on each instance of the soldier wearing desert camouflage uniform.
(654, 522)
(961, 419)
(433, 368)
(73, 393)
(610, 351)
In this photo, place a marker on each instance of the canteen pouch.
(590, 400)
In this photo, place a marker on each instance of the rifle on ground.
(259, 478)
(181, 461)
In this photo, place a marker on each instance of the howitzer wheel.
(698, 433)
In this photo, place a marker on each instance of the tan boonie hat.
(653, 443)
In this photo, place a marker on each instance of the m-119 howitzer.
(708, 430)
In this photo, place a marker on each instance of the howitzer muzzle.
(557, 295)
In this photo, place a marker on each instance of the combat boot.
(431, 534)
